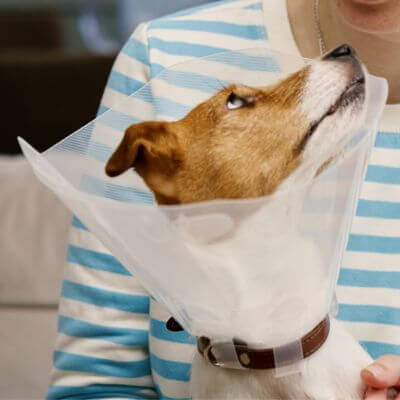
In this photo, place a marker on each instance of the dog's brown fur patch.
(215, 152)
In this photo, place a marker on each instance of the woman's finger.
(383, 373)
(393, 394)
(375, 394)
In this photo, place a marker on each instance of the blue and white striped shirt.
(112, 341)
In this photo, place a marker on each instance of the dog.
(246, 142)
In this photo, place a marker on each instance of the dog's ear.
(144, 144)
(152, 148)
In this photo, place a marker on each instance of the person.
(112, 338)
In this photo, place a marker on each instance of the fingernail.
(377, 370)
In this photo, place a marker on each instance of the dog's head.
(245, 141)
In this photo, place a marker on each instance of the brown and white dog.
(246, 142)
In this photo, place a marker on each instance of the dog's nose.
(341, 53)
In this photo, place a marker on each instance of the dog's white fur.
(294, 309)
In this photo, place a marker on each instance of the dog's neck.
(253, 310)
(238, 355)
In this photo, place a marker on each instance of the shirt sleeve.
(101, 349)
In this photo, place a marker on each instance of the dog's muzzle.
(254, 358)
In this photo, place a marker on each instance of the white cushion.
(27, 341)
(33, 236)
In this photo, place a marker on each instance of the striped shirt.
(112, 340)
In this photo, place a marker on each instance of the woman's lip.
(370, 2)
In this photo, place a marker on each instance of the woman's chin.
(373, 16)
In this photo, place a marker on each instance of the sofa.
(47, 93)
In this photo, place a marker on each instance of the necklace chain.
(318, 30)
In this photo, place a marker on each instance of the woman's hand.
(382, 378)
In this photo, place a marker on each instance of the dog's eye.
(234, 102)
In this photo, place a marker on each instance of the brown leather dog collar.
(264, 358)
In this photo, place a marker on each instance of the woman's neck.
(380, 53)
